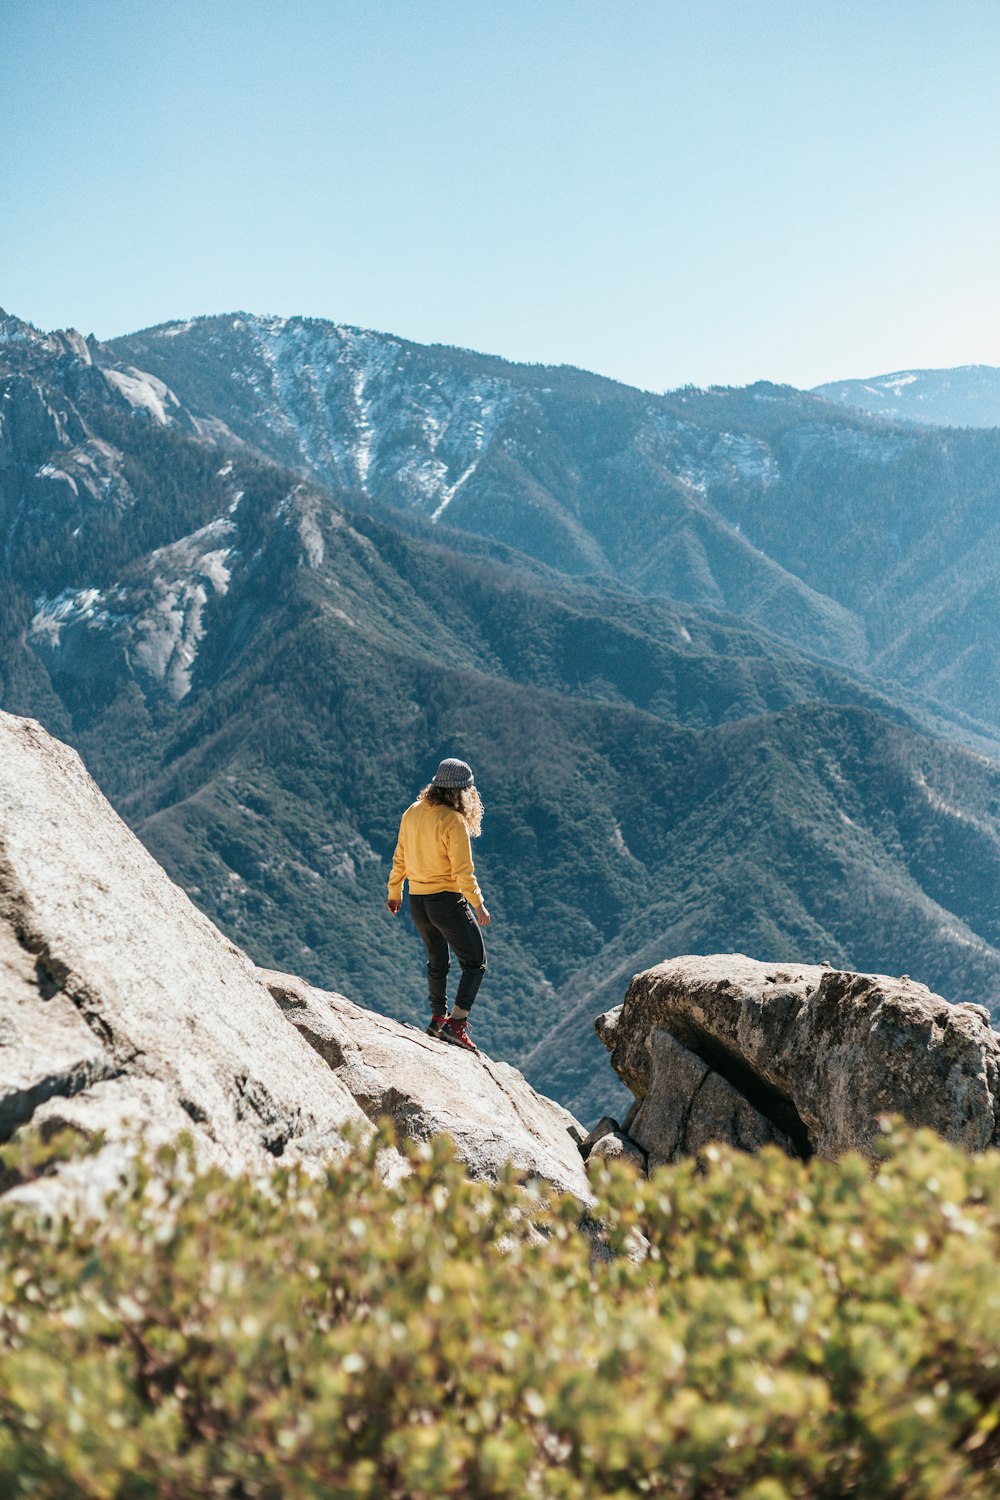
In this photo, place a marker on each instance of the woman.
(434, 854)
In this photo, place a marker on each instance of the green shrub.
(793, 1330)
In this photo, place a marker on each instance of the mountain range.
(724, 661)
(967, 396)
(861, 544)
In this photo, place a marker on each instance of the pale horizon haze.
(664, 193)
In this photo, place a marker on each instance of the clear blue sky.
(712, 191)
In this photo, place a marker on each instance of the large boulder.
(805, 1056)
(124, 1010)
(689, 1104)
(425, 1086)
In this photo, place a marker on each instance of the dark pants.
(446, 920)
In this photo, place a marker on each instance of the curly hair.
(465, 800)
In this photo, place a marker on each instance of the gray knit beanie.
(453, 773)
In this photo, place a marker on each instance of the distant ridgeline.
(725, 662)
(965, 397)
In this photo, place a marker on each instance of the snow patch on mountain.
(71, 607)
(367, 358)
(365, 410)
(366, 432)
(458, 427)
(736, 455)
(895, 383)
(13, 331)
(702, 458)
(450, 491)
(49, 471)
(312, 381)
(423, 477)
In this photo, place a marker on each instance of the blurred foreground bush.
(793, 1331)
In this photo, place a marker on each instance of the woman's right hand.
(482, 915)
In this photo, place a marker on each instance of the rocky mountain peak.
(14, 330)
(20, 340)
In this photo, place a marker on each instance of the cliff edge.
(125, 1011)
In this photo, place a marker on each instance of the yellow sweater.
(434, 854)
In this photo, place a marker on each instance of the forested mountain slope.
(262, 672)
(871, 544)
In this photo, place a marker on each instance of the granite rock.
(426, 1086)
(115, 987)
(124, 1012)
(814, 1055)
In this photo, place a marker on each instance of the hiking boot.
(437, 1022)
(457, 1032)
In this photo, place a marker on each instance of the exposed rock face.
(688, 1105)
(426, 1086)
(808, 1057)
(122, 1005)
(608, 1142)
(123, 1009)
(148, 628)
